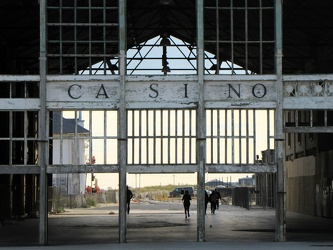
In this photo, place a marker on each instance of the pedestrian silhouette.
(218, 198)
(186, 201)
(213, 198)
(129, 196)
(206, 201)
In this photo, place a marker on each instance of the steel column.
(42, 135)
(280, 225)
(122, 142)
(201, 125)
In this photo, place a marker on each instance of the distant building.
(74, 183)
(247, 181)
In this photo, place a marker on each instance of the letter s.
(153, 89)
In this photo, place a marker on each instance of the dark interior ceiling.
(307, 32)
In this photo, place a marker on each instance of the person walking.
(206, 201)
(213, 198)
(218, 198)
(186, 201)
(129, 196)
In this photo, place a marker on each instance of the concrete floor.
(165, 223)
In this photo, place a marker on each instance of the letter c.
(74, 91)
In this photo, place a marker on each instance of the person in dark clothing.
(213, 198)
(129, 196)
(218, 199)
(186, 201)
(206, 201)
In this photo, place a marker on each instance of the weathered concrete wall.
(301, 185)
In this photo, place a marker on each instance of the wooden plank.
(61, 169)
(19, 104)
(183, 168)
(19, 169)
(308, 129)
(314, 77)
(249, 168)
(19, 78)
(305, 103)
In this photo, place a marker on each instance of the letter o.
(259, 86)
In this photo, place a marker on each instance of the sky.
(111, 181)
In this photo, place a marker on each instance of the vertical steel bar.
(90, 38)
(176, 136)
(62, 138)
(311, 118)
(140, 136)
(247, 137)
(154, 136)
(133, 135)
(60, 38)
(183, 137)
(254, 134)
(240, 135)
(162, 135)
(11, 138)
(211, 136)
(75, 39)
(232, 136)
(90, 137)
(260, 37)
(169, 146)
(218, 136)
(25, 135)
(76, 144)
(232, 35)
(104, 37)
(217, 39)
(190, 136)
(148, 136)
(226, 137)
(268, 132)
(246, 38)
(105, 136)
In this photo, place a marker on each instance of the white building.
(74, 183)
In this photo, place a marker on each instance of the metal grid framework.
(78, 46)
(227, 20)
(19, 138)
(155, 57)
(301, 94)
(96, 130)
(308, 118)
(236, 136)
(19, 89)
(161, 137)
(87, 41)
